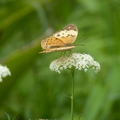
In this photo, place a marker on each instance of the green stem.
(72, 95)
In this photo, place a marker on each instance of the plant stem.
(72, 95)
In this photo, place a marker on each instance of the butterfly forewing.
(51, 42)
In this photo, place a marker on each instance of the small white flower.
(4, 71)
(76, 61)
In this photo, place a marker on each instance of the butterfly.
(61, 40)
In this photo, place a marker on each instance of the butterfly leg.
(64, 53)
(61, 53)
(70, 52)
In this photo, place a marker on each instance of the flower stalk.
(72, 95)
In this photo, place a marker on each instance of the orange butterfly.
(61, 40)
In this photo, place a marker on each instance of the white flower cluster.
(4, 71)
(76, 61)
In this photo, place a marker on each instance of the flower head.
(4, 71)
(77, 61)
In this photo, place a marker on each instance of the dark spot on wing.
(71, 27)
(58, 35)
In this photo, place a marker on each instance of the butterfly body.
(61, 40)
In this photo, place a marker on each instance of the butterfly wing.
(58, 49)
(61, 40)
(51, 42)
(68, 35)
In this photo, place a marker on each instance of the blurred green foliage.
(33, 91)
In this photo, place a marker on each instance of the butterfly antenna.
(84, 39)
(79, 43)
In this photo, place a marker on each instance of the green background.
(34, 92)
